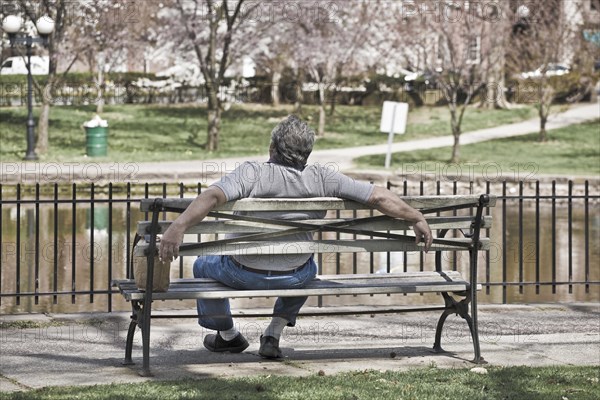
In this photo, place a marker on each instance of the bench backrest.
(372, 233)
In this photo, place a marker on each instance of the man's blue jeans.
(216, 313)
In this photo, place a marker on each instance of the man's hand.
(423, 233)
(390, 204)
(169, 243)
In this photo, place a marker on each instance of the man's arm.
(193, 215)
(390, 204)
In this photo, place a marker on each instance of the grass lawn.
(161, 132)
(513, 383)
(574, 150)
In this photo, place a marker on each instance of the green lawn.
(574, 150)
(515, 383)
(159, 132)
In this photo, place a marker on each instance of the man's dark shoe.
(269, 347)
(217, 344)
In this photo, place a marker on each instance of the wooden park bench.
(373, 233)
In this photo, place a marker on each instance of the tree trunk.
(455, 125)
(333, 101)
(214, 119)
(100, 82)
(337, 83)
(543, 119)
(456, 148)
(494, 97)
(299, 93)
(214, 126)
(41, 146)
(322, 115)
(275, 101)
(546, 97)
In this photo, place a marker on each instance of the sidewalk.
(575, 115)
(87, 349)
(207, 171)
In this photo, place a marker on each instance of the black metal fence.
(62, 245)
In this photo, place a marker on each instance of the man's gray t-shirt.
(270, 180)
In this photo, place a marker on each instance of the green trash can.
(96, 140)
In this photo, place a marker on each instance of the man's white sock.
(229, 334)
(276, 327)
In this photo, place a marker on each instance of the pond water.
(65, 262)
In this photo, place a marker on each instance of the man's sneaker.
(217, 344)
(269, 347)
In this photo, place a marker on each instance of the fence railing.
(62, 245)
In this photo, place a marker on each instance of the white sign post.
(393, 120)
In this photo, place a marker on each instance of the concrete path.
(576, 115)
(207, 171)
(87, 349)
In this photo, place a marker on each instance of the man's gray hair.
(292, 141)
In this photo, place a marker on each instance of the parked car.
(550, 70)
(18, 66)
(426, 79)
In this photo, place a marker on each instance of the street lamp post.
(45, 26)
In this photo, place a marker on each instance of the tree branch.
(228, 37)
(192, 36)
(64, 75)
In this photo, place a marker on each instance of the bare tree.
(313, 54)
(59, 11)
(495, 88)
(457, 45)
(545, 34)
(106, 34)
(586, 51)
(273, 63)
(272, 54)
(330, 45)
(212, 31)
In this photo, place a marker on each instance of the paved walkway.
(87, 349)
(576, 115)
(209, 170)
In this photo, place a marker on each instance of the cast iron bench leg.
(437, 345)
(450, 305)
(461, 308)
(135, 313)
(472, 321)
(473, 325)
(147, 302)
(145, 325)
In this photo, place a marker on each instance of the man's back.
(270, 180)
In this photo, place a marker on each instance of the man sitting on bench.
(285, 175)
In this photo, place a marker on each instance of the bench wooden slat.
(416, 282)
(411, 275)
(211, 227)
(316, 246)
(454, 275)
(319, 203)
